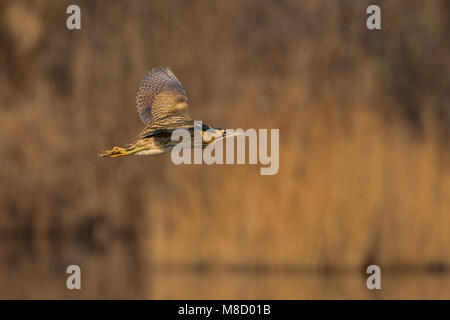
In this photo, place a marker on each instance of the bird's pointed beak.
(224, 133)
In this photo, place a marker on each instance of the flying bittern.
(163, 107)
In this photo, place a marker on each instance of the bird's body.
(163, 107)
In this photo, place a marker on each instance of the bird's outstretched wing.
(162, 101)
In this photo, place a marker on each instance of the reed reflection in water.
(36, 270)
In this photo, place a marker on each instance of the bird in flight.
(163, 107)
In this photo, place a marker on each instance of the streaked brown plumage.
(163, 107)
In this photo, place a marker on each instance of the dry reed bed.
(364, 175)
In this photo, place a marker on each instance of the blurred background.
(364, 119)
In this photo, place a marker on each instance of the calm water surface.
(36, 270)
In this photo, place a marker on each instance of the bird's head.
(210, 135)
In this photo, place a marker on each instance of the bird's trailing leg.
(120, 152)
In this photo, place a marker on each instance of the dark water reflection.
(36, 270)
